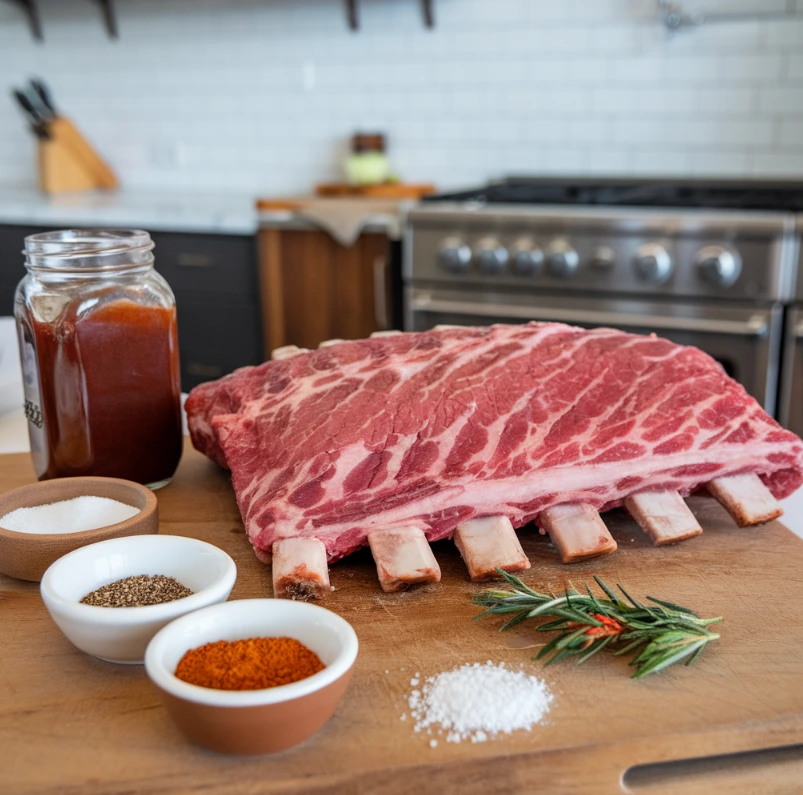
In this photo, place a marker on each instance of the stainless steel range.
(791, 399)
(703, 265)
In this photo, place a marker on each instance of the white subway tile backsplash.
(262, 97)
(741, 68)
(585, 130)
(607, 161)
(700, 133)
(726, 101)
(661, 162)
(718, 163)
(777, 164)
(637, 70)
(783, 101)
(790, 134)
(783, 33)
(794, 67)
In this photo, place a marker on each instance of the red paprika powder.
(252, 664)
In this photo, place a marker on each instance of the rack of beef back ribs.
(467, 432)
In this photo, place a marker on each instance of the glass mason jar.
(99, 348)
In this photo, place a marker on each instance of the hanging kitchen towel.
(344, 219)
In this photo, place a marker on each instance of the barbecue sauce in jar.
(99, 348)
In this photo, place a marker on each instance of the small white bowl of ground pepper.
(253, 676)
(112, 597)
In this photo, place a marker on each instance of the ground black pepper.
(144, 589)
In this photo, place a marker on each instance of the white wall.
(259, 96)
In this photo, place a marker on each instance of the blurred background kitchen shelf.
(260, 98)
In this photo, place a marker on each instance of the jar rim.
(88, 250)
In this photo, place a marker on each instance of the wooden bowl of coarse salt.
(43, 521)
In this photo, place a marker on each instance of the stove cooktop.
(725, 195)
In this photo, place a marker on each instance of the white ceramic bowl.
(121, 634)
(254, 721)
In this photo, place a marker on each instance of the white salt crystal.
(433, 743)
(477, 702)
(68, 516)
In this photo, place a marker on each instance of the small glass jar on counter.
(99, 348)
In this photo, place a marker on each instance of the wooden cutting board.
(70, 723)
(385, 190)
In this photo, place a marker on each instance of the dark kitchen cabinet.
(12, 268)
(216, 284)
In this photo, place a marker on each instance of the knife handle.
(44, 95)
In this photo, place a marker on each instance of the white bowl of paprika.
(220, 673)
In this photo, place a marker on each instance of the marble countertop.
(212, 214)
(166, 212)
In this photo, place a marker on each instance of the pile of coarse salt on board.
(476, 702)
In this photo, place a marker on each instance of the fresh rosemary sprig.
(664, 633)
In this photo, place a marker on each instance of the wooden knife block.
(67, 162)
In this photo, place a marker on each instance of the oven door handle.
(757, 325)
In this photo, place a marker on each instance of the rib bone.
(299, 569)
(327, 343)
(403, 558)
(286, 352)
(389, 333)
(746, 499)
(578, 531)
(487, 544)
(663, 516)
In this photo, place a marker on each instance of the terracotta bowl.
(250, 722)
(121, 634)
(26, 556)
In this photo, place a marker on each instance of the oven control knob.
(604, 259)
(562, 259)
(454, 255)
(490, 255)
(718, 265)
(653, 263)
(527, 256)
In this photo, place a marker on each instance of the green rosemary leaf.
(557, 657)
(661, 633)
(632, 645)
(611, 595)
(513, 621)
(631, 599)
(595, 647)
(568, 639)
(662, 661)
(502, 609)
(517, 583)
(672, 606)
(549, 647)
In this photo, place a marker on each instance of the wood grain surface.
(70, 723)
(314, 289)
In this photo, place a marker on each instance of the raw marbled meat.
(430, 429)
